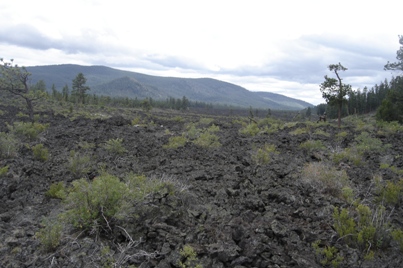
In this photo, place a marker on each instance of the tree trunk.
(30, 108)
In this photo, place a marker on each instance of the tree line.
(386, 99)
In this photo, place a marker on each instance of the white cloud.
(282, 47)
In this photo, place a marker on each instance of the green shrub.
(189, 257)
(86, 145)
(321, 133)
(99, 203)
(136, 121)
(325, 178)
(175, 142)
(387, 128)
(78, 164)
(327, 255)
(213, 128)
(348, 155)
(341, 135)
(367, 144)
(8, 145)
(40, 152)
(299, 131)
(312, 145)
(50, 234)
(391, 168)
(273, 128)
(207, 140)
(178, 119)
(348, 194)
(364, 228)
(57, 190)
(94, 202)
(390, 193)
(264, 155)
(397, 235)
(344, 224)
(205, 120)
(3, 171)
(251, 129)
(192, 132)
(28, 130)
(115, 146)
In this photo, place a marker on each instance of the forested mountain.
(117, 83)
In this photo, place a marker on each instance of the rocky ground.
(233, 211)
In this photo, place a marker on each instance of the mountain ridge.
(112, 82)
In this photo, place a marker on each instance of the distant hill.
(117, 83)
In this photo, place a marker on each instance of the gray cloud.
(24, 35)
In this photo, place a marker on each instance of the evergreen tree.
(15, 80)
(334, 91)
(79, 87)
(399, 56)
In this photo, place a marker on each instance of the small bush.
(40, 152)
(28, 130)
(364, 228)
(205, 120)
(50, 234)
(397, 235)
(97, 204)
(3, 171)
(300, 131)
(341, 135)
(8, 145)
(207, 140)
(175, 142)
(189, 257)
(213, 128)
(192, 132)
(136, 121)
(348, 155)
(321, 133)
(251, 129)
(325, 177)
(367, 144)
(78, 164)
(264, 155)
(115, 146)
(312, 145)
(93, 203)
(387, 128)
(327, 255)
(57, 190)
(86, 145)
(390, 193)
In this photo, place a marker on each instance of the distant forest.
(366, 100)
(359, 101)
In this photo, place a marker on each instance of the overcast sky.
(276, 46)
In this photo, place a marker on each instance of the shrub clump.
(8, 145)
(115, 146)
(324, 177)
(175, 142)
(50, 234)
(78, 164)
(251, 129)
(57, 190)
(98, 204)
(40, 152)
(189, 258)
(264, 155)
(30, 131)
(312, 145)
(207, 140)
